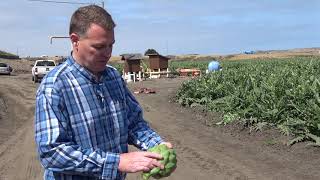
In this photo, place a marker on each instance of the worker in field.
(85, 115)
(214, 66)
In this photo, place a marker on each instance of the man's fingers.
(156, 163)
(146, 169)
(152, 155)
(139, 161)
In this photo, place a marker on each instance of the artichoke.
(169, 161)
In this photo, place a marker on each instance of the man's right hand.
(139, 161)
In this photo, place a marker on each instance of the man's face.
(94, 50)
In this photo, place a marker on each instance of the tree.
(150, 51)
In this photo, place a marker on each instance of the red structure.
(189, 72)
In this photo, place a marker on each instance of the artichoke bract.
(169, 161)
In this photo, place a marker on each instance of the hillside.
(7, 55)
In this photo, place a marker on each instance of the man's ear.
(74, 39)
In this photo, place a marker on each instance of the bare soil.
(204, 152)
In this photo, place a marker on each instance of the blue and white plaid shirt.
(82, 126)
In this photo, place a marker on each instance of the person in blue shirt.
(85, 116)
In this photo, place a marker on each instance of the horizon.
(190, 54)
(171, 28)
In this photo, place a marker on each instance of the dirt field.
(204, 153)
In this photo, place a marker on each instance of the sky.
(171, 27)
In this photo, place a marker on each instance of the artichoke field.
(284, 93)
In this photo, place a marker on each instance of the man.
(85, 115)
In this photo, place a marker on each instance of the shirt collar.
(85, 72)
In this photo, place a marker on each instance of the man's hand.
(139, 161)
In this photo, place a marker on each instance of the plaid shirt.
(82, 126)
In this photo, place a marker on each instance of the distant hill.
(315, 51)
(311, 51)
(278, 53)
(7, 55)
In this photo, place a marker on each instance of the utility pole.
(167, 46)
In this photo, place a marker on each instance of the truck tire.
(35, 79)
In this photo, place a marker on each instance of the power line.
(65, 2)
(62, 2)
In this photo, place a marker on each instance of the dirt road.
(204, 153)
(17, 149)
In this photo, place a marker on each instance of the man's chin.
(102, 68)
(102, 62)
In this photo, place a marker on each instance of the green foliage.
(228, 118)
(150, 51)
(118, 66)
(278, 92)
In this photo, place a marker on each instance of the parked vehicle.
(41, 68)
(5, 69)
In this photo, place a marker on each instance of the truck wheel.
(35, 79)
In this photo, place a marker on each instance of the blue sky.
(169, 26)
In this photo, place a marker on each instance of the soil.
(204, 152)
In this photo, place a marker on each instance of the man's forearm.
(70, 159)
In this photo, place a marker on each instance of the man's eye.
(98, 47)
(103, 47)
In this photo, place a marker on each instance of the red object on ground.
(193, 72)
(144, 90)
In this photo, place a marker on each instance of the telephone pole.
(167, 46)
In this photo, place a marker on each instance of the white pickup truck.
(41, 68)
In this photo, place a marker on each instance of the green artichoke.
(169, 161)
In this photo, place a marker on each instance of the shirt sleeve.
(140, 133)
(57, 151)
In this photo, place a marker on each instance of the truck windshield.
(45, 63)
